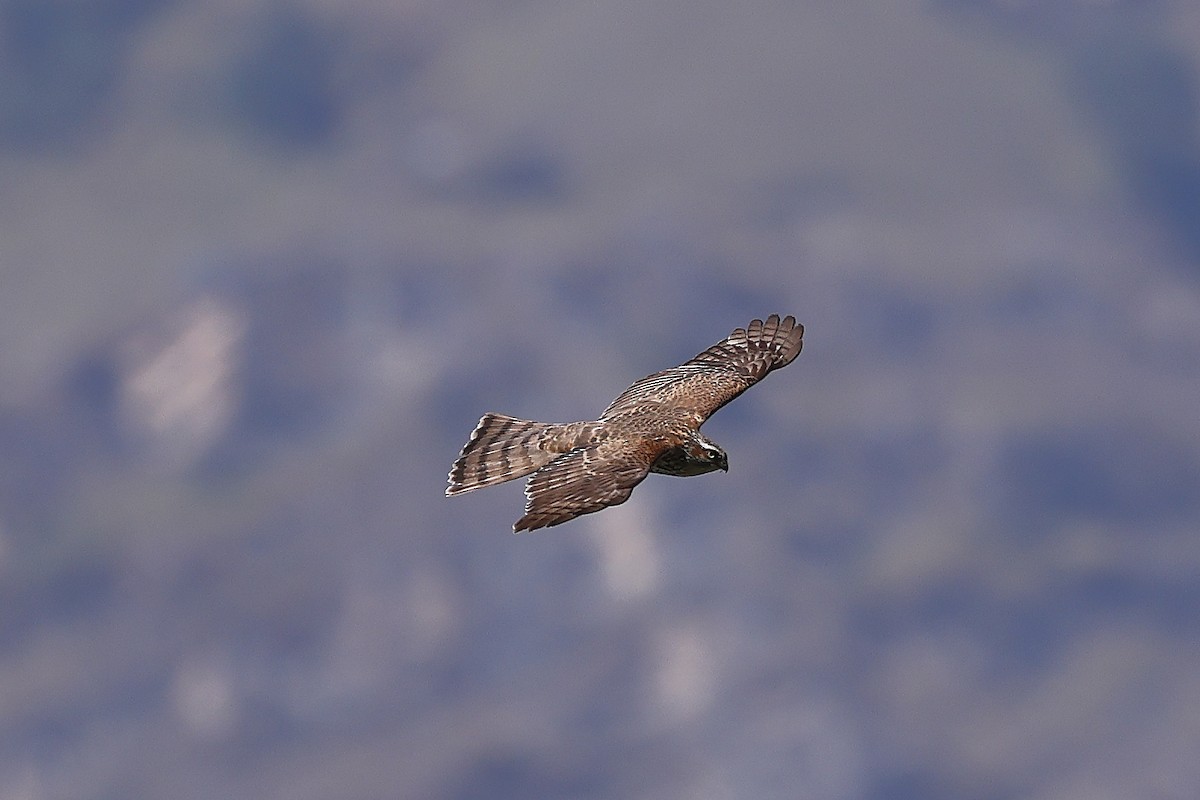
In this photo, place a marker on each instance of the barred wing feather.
(703, 384)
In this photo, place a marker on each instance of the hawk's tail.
(500, 448)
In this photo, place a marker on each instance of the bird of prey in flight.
(654, 426)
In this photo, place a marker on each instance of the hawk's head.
(707, 453)
(695, 456)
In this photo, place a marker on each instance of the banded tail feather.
(500, 449)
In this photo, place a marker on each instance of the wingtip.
(785, 335)
(533, 522)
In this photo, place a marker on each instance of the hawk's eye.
(713, 455)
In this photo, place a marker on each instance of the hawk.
(653, 426)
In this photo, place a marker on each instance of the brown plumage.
(653, 426)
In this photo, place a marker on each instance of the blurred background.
(264, 265)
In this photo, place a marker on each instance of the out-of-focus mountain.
(265, 264)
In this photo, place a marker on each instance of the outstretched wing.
(585, 480)
(703, 384)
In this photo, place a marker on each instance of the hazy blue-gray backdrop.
(265, 262)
